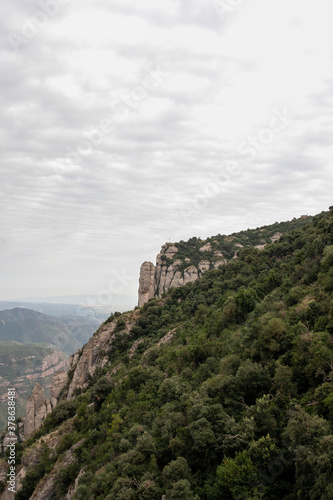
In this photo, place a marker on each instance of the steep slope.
(33, 347)
(180, 263)
(223, 388)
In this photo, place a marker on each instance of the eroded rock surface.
(146, 282)
(37, 409)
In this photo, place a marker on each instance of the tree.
(181, 490)
(237, 477)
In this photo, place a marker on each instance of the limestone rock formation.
(146, 282)
(93, 355)
(180, 263)
(205, 248)
(47, 486)
(37, 409)
(58, 383)
(260, 247)
(166, 274)
(171, 271)
(190, 274)
(204, 265)
(276, 237)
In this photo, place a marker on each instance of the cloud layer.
(126, 125)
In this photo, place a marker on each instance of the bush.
(63, 411)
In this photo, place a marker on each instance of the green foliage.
(235, 477)
(181, 489)
(63, 411)
(244, 372)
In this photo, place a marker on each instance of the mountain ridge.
(28, 326)
(183, 262)
(222, 388)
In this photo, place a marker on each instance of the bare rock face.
(276, 237)
(205, 248)
(94, 355)
(47, 487)
(169, 251)
(190, 274)
(166, 274)
(146, 282)
(37, 409)
(174, 269)
(58, 383)
(204, 265)
(219, 263)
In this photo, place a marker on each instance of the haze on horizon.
(126, 125)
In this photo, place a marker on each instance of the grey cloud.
(71, 221)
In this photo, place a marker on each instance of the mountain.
(28, 326)
(185, 262)
(33, 347)
(115, 300)
(96, 314)
(22, 366)
(221, 388)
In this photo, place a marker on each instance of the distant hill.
(28, 326)
(116, 301)
(96, 313)
(33, 346)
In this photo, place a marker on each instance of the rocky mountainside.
(33, 347)
(24, 365)
(180, 263)
(222, 388)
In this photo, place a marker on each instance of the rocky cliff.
(82, 367)
(171, 271)
(184, 262)
(38, 406)
(146, 283)
(24, 365)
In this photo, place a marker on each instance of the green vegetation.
(237, 405)
(228, 245)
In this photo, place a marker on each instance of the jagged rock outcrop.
(276, 237)
(184, 262)
(146, 282)
(31, 457)
(93, 355)
(58, 383)
(82, 366)
(171, 271)
(166, 273)
(28, 365)
(47, 486)
(37, 409)
(205, 248)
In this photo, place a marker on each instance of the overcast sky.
(129, 124)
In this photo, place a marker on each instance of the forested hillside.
(221, 389)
